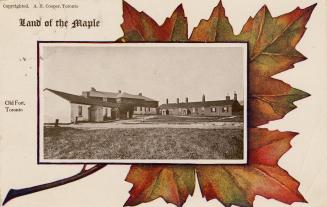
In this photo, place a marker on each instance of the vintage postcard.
(163, 103)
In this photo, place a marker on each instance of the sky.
(157, 72)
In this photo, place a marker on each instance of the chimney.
(119, 91)
(166, 100)
(93, 89)
(186, 100)
(227, 97)
(203, 98)
(86, 94)
(177, 100)
(140, 94)
(235, 96)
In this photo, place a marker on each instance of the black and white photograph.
(107, 102)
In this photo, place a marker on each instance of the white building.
(69, 108)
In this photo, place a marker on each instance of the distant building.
(94, 106)
(225, 107)
(127, 104)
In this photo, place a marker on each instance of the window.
(202, 109)
(213, 109)
(105, 99)
(193, 110)
(80, 110)
(224, 109)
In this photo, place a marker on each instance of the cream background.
(305, 161)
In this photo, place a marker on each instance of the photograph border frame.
(39, 162)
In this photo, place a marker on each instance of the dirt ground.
(157, 121)
(146, 138)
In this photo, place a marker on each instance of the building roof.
(127, 95)
(102, 94)
(148, 99)
(198, 104)
(81, 99)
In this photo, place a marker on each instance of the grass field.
(142, 143)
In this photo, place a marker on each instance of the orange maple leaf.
(239, 184)
(138, 26)
(272, 42)
(172, 183)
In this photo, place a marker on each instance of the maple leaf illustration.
(272, 42)
(173, 183)
(239, 184)
(272, 50)
(138, 26)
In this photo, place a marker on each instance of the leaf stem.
(14, 193)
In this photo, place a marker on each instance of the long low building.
(225, 107)
(93, 106)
